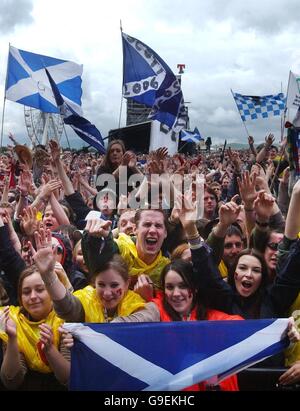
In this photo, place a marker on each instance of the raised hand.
(49, 188)
(228, 213)
(250, 140)
(263, 205)
(29, 222)
(55, 150)
(45, 257)
(25, 183)
(247, 188)
(7, 324)
(269, 140)
(129, 159)
(98, 227)
(161, 153)
(285, 176)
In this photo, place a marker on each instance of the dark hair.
(185, 270)
(106, 163)
(212, 192)
(260, 242)
(234, 230)
(116, 263)
(260, 258)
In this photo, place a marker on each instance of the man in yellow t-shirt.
(142, 255)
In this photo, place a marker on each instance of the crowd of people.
(212, 236)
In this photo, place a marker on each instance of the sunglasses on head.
(59, 249)
(273, 246)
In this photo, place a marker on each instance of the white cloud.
(224, 44)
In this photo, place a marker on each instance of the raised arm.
(66, 182)
(66, 304)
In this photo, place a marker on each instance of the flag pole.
(182, 146)
(240, 114)
(121, 104)
(64, 128)
(4, 101)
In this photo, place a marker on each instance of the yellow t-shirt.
(223, 269)
(28, 336)
(94, 310)
(292, 354)
(136, 266)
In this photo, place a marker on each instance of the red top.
(230, 383)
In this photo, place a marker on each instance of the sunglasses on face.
(273, 246)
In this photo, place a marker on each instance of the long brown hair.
(185, 270)
(106, 163)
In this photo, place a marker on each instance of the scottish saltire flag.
(148, 80)
(168, 356)
(27, 82)
(254, 107)
(191, 136)
(293, 92)
(82, 127)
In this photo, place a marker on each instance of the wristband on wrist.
(193, 236)
(261, 224)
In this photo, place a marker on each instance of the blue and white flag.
(82, 127)
(168, 356)
(191, 136)
(148, 80)
(254, 107)
(28, 84)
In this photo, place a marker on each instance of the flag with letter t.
(82, 127)
(27, 82)
(148, 80)
(168, 356)
(254, 107)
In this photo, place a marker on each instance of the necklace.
(108, 318)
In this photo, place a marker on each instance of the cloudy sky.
(223, 43)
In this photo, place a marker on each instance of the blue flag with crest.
(168, 356)
(148, 80)
(82, 127)
(27, 82)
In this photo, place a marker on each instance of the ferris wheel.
(41, 127)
